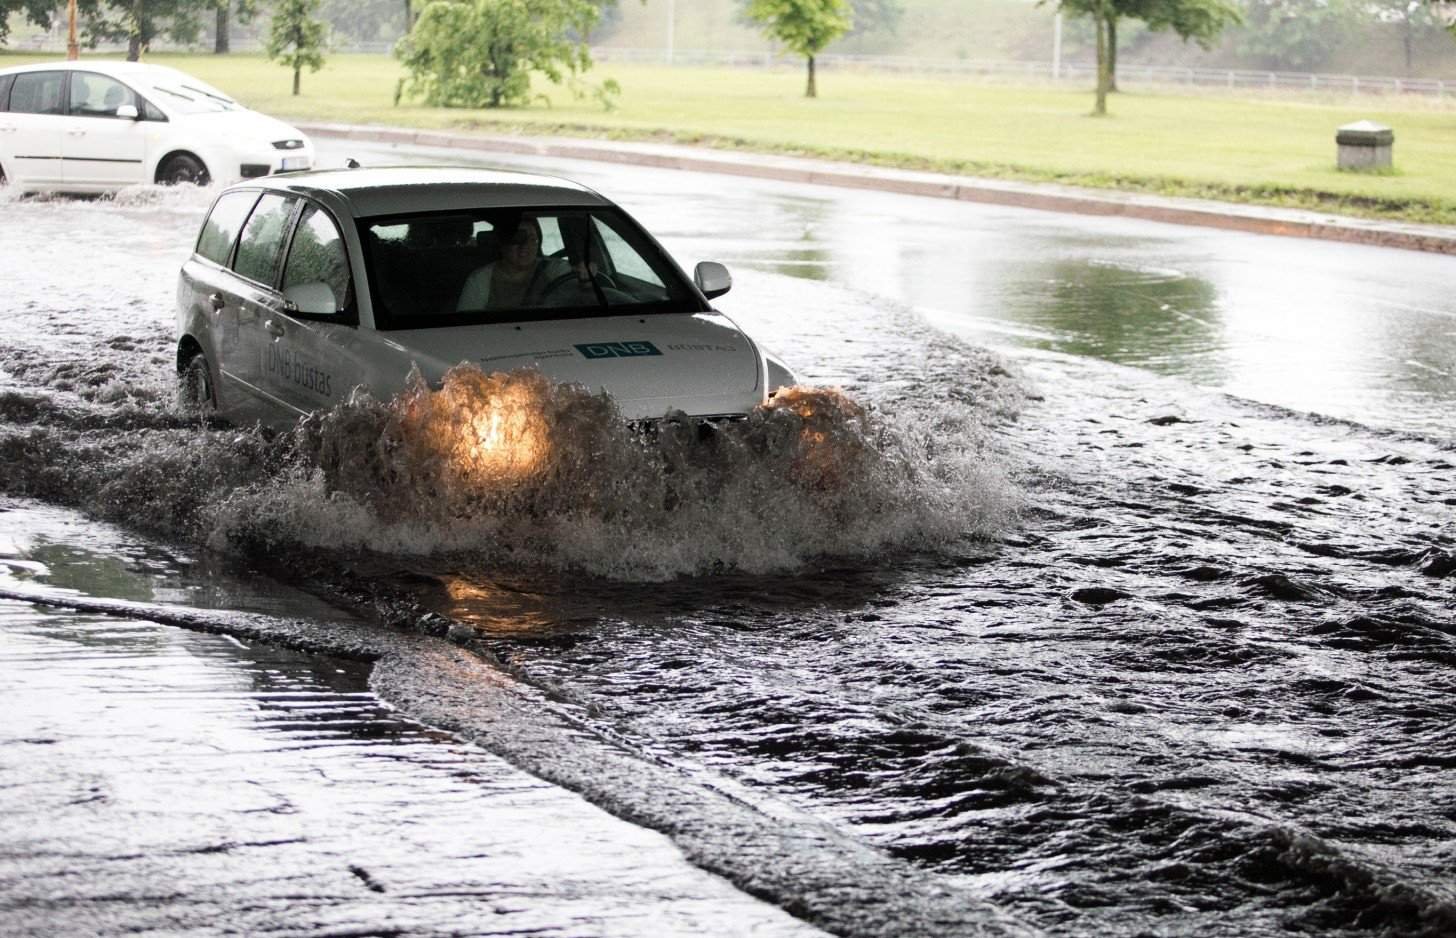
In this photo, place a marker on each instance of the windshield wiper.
(175, 94)
(209, 94)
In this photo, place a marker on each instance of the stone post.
(1364, 145)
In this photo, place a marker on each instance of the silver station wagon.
(303, 287)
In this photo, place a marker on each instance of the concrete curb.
(1440, 239)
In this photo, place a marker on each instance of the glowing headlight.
(506, 436)
(485, 429)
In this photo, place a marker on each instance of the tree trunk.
(297, 72)
(1409, 30)
(221, 43)
(1112, 52)
(409, 16)
(134, 41)
(1103, 74)
(811, 91)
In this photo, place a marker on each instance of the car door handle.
(275, 328)
(76, 133)
(217, 302)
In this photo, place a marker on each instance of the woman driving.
(515, 279)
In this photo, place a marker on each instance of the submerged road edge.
(808, 869)
(1252, 219)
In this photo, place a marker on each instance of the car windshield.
(510, 265)
(186, 94)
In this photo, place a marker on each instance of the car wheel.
(195, 394)
(182, 168)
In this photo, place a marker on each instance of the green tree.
(139, 22)
(876, 16)
(482, 53)
(365, 20)
(1296, 34)
(222, 33)
(803, 26)
(1198, 20)
(1415, 19)
(296, 37)
(38, 12)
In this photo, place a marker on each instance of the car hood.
(699, 363)
(245, 124)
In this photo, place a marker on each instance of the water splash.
(186, 199)
(509, 468)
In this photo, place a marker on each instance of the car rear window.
(223, 224)
(38, 93)
(260, 250)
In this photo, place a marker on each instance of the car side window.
(625, 258)
(551, 240)
(5, 81)
(260, 250)
(94, 95)
(38, 93)
(223, 224)
(318, 255)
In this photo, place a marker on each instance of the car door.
(7, 129)
(257, 263)
(210, 304)
(102, 150)
(315, 349)
(32, 128)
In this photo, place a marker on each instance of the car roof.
(398, 190)
(104, 66)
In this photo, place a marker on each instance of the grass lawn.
(1276, 151)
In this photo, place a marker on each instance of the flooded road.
(1187, 670)
(158, 780)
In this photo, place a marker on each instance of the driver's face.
(522, 248)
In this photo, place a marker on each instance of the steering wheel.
(559, 282)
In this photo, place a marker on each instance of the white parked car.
(98, 126)
(305, 286)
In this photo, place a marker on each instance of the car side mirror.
(128, 112)
(712, 278)
(315, 298)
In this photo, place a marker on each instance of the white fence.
(1080, 72)
(1069, 71)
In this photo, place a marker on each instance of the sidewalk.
(1296, 223)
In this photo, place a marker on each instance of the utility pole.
(1057, 47)
(73, 48)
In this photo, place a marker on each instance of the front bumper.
(288, 163)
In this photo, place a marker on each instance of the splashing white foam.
(508, 468)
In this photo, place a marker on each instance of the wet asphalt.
(265, 791)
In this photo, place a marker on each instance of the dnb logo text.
(617, 349)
